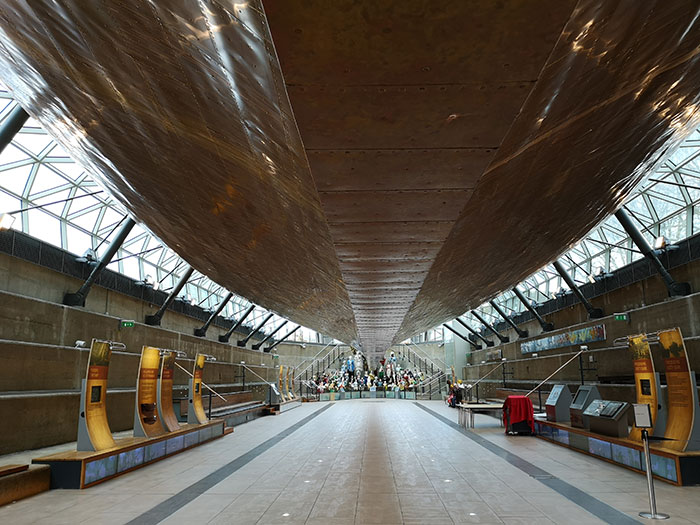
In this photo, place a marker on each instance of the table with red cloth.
(518, 409)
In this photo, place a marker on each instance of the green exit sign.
(622, 317)
(126, 324)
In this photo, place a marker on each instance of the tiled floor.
(362, 461)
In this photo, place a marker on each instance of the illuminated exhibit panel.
(647, 385)
(166, 411)
(683, 427)
(195, 410)
(147, 422)
(93, 428)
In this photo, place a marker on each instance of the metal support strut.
(457, 333)
(13, 123)
(243, 342)
(224, 338)
(593, 313)
(201, 332)
(257, 346)
(675, 289)
(283, 339)
(521, 333)
(502, 338)
(155, 319)
(78, 298)
(477, 334)
(546, 327)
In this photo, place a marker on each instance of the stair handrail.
(472, 385)
(314, 357)
(426, 357)
(550, 376)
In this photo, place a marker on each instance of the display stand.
(558, 403)
(643, 420)
(146, 420)
(166, 412)
(81, 469)
(678, 468)
(195, 410)
(93, 428)
(682, 428)
(647, 385)
(584, 397)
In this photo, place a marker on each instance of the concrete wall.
(613, 365)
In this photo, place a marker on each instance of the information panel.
(146, 420)
(165, 392)
(645, 380)
(93, 428)
(195, 412)
(682, 393)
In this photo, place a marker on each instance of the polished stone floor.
(359, 462)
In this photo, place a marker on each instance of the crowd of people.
(355, 375)
(456, 394)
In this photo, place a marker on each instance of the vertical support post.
(244, 378)
(209, 416)
(652, 514)
(224, 338)
(546, 327)
(502, 338)
(674, 288)
(593, 313)
(155, 319)
(78, 298)
(580, 367)
(521, 333)
(201, 332)
(13, 123)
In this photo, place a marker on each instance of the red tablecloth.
(519, 408)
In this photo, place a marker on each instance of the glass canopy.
(79, 217)
(665, 204)
(35, 170)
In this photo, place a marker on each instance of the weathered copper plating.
(414, 119)
(179, 108)
(401, 106)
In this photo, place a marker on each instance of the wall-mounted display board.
(93, 428)
(590, 334)
(77, 470)
(558, 403)
(648, 386)
(166, 412)
(682, 427)
(195, 410)
(146, 420)
(584, 397)
(678, 468)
